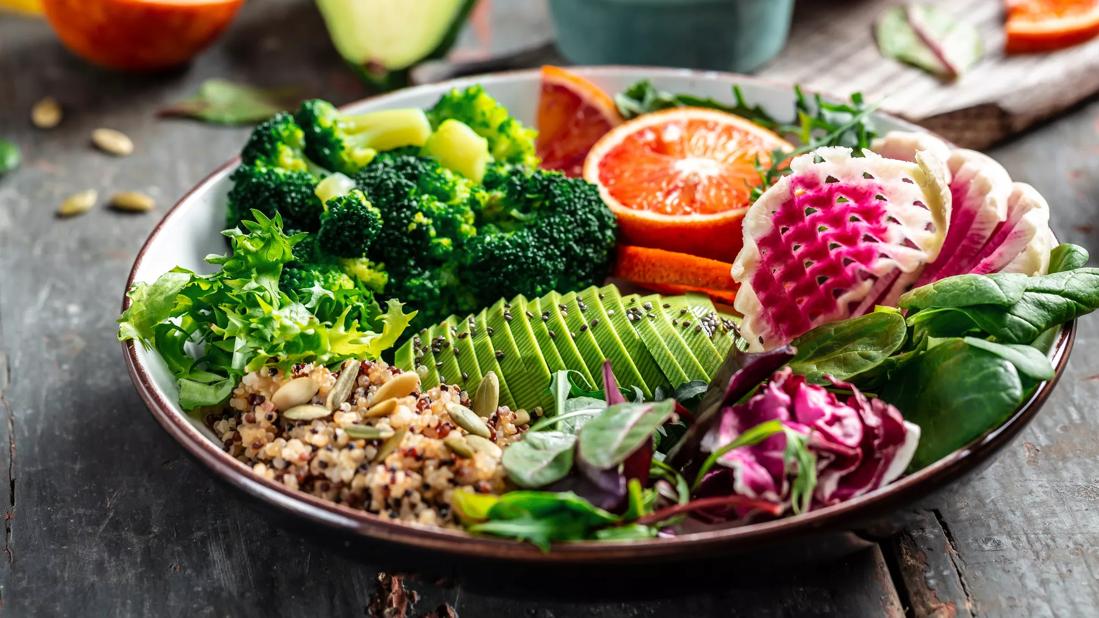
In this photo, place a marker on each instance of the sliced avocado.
(542, 336)
(625, 370)
(442, 347)
(453, 355)
(653, 310)
(653, 338)
(646, 365)
(577, 322)
(466, 354)
(550, 306)
(691, 315)
(523, 389)
(425, 358)
(383, 39)
(405, 356)
(518, 318)
(486, 356)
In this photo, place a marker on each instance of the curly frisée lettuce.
(213, 329)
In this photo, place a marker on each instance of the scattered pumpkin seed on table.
(78, 203)
(132, 201)
(46, 114)
(113, 142)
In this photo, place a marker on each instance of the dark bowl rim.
(368, 525)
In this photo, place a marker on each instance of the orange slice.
(681, 179)
(1045, 25)
(573, 114)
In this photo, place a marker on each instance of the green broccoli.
(273, 190)
(280, 143)
(349, 225)
(508, 140)
(346, 143)
(327, 290)
(541, 232)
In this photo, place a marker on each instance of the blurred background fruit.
(139, 35)
(21, 6)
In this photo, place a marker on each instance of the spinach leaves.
(848, 348)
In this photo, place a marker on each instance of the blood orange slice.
(573, 114)
(681, 179)
(1044, 25)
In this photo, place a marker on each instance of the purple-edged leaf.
(610, 385)
(605, 489)
(621, 429)
(738, 375)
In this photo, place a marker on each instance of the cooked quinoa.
(408, 476)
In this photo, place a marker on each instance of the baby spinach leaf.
(221, 101)
(1049, 300)
(965, 291)
(1067, 256)
(1028, 361)
(850, 347)
(621, 429)
(10, 156)
(955, 392)
(540, 458)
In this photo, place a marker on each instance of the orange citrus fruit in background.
(139, 35)
(681, 179)
(1045, 25)
(573, 114)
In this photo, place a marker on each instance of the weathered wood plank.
(930, 570)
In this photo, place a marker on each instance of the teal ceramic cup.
(726, 35)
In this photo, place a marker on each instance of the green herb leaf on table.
(930, 38)
(10, 156)
(539, 458)
(849, 347)
(608, 439)
(221, 101)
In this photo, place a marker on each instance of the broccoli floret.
(508, 140)
(349, 225)
(273, 190)
(328, 291)
(371, 274)
(278, 142)
(346, 142)
(541, 232)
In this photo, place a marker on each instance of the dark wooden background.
(104, 515)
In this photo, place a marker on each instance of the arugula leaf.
(220, 101)
(955, 392)
(849, 347)
(805, 479)
(540, 458)
(621, 429)
(643, 98)
(542, 517)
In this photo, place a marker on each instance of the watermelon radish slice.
(837, 236)
(993, 222)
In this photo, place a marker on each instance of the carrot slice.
(669, 272)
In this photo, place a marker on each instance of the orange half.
(1046, 25)
(573, 114)
(681, 179)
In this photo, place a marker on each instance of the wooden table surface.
(105, 515)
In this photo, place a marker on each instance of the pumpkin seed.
(113, 142)
(306, 412)
(398, 386)
(369, 432)
(487, 398)
(391, 443)
(341, 390)
(78, 203)
(46, 114)
(295, 392)
(467, 419)
(484, 445)
(522, 417)
(382, 408)
(132, 201)
(457, 444)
